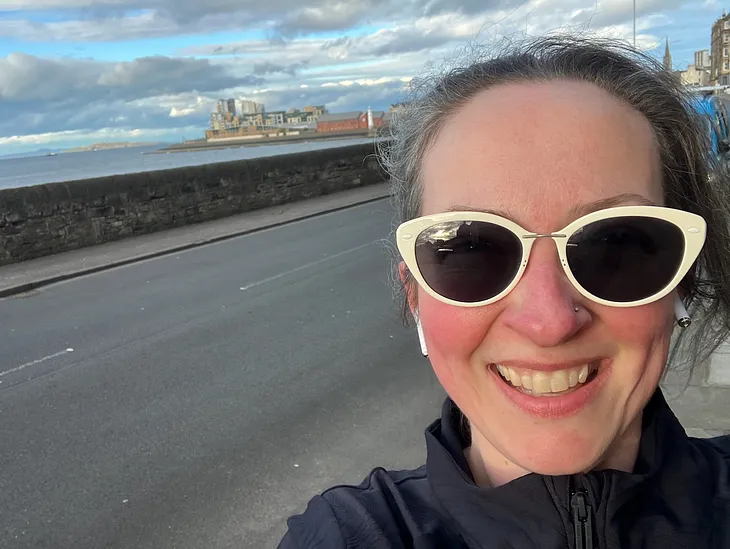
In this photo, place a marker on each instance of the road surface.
(199, 399)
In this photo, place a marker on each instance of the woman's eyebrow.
(462, 208)
(624, 199)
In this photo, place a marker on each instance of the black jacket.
(677, 497)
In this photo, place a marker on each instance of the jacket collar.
(669, 473)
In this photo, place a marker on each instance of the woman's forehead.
(541, 149)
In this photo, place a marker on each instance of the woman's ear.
(409, 285)
(410, 288)
(403, 271)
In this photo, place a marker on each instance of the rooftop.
(338, 116)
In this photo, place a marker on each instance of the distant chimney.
(370, 119)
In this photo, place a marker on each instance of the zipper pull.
(582, 521)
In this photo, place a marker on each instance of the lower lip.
(554, 407)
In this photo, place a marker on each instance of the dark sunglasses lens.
(468, 261)
(626, 259)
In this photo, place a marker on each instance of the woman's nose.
(542, 307)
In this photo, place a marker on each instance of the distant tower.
(370, 119)
(667, 58)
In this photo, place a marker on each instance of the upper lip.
(546, 366)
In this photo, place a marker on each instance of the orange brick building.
(348, 121)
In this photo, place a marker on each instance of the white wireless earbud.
(421, 338)
(681, 314)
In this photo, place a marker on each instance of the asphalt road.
(199, 399)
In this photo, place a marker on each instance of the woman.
(559, 209)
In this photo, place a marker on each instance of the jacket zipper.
(582, 520)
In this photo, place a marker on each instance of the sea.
(37, 170)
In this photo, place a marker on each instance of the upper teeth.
(545, 382)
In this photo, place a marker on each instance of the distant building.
(274, 118)
(697, 74)
(703, 59)
(227, 106)
(232, 133)
(315, 111)
(216, 121)
(348, 121)
(293, 116)
(252, 119)
(694, 77)
(719, 52)
(244, 106)
(340, 122)
(231, 114)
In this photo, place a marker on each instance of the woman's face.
(538, 153)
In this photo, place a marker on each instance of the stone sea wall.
(47, 219)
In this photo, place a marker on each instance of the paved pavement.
(199, 398)
(702, 400)
(210, 393)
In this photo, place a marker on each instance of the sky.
(76, 72)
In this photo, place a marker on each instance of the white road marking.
(29, 364)
(308, 265)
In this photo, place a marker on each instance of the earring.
(421, 338)
(681, 314)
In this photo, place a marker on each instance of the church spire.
(667, 57)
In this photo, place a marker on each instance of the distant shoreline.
(192, 146)
(43, 153)
(107, 147)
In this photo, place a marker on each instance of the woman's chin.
(557, 467)
(553, 453)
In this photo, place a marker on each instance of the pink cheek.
(452, 331)
(637, 325)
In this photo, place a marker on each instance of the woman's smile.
(552, 381)
(552, 394)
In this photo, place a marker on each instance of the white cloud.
(177, 113)
(39, 5)
(100, 20)
(291, 67)
(29, 78)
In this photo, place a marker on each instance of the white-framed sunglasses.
(622, 257)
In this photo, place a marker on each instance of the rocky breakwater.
(48, 219)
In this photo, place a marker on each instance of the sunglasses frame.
(693, 227)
